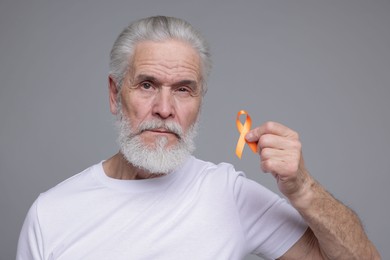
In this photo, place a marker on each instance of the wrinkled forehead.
(169, 59)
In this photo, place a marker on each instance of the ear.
(113, 95)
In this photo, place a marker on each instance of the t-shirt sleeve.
(30, 245)
(271, 225)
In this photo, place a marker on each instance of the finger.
(284, 167)
(278, 142)
(270, 153)
(281, 155)
(270, 128)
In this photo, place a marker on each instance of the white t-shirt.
(201, 211)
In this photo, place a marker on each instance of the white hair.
(156, 28)
(158, 158)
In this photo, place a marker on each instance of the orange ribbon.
(243, 130)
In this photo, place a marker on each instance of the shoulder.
(212, 169)
(63, 191)
(222, 176)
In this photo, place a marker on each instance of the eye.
(183, 89)
(146, 85)
(186, 91)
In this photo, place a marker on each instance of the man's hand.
(281, 155)
(337, 230)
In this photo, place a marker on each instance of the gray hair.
(157, 28)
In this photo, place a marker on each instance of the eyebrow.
(191, 83)
(143, 77)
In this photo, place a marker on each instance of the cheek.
(135, 109)
(191, 115)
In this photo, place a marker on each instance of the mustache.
(157, 124)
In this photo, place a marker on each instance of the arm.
(30, 244)
(335, 230)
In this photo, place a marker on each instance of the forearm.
(337, 228)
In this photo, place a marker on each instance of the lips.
(161, 131)
(160, 127)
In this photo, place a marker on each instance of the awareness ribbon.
(243, 129)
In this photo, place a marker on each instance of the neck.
(118, 167)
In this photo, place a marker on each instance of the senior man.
(154, 200)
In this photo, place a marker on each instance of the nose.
(163, 105)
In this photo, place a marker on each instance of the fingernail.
(249, 136)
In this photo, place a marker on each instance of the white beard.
(159, 159)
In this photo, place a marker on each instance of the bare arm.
(335, 231)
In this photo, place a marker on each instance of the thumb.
(252, 136)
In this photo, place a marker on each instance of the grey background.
(320, 67)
